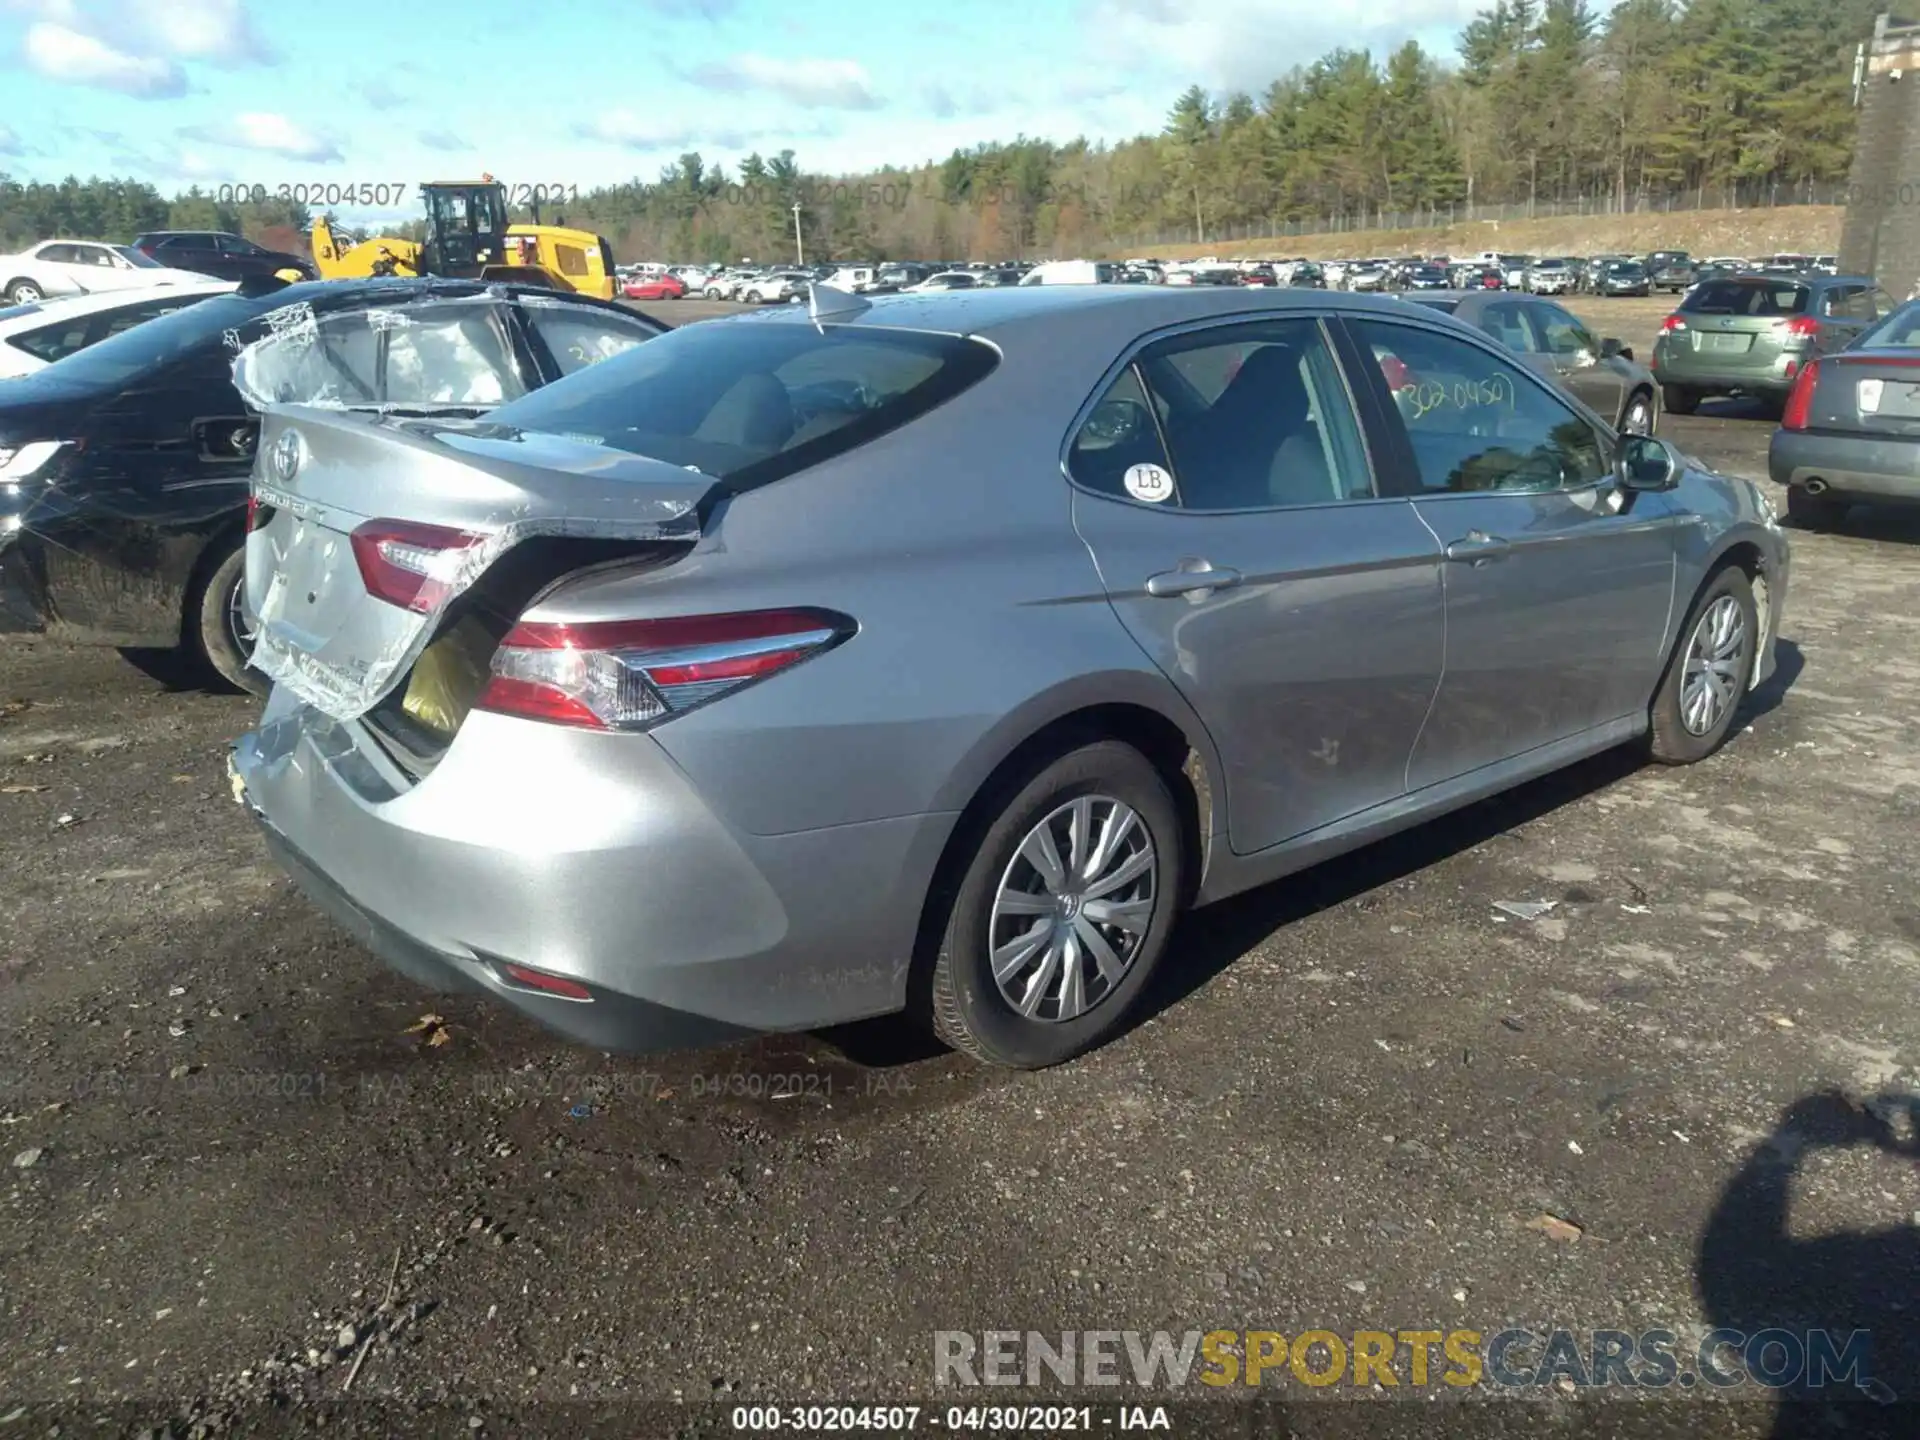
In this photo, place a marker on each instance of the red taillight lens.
(257, 514)
(523, 977)
(1799, 409)
(629, 674)
(1672, 323)
(409, 565)
(1803, 327)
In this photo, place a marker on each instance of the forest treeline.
(1544, 101)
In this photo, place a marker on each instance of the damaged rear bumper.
(594, 859)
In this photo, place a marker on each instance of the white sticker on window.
(1148, 482)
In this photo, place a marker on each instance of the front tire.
(1638, 419)
(216, 631)
(1708, 672)
(1063, 911)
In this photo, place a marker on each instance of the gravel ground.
(246, 1169)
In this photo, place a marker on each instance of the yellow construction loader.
(468, 237)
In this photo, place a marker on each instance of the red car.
(655, 287)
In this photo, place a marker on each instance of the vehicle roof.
(210, 230)
(327, 295)
(1100, 316)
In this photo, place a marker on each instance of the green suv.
(1751, 334)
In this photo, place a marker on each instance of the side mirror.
(1646, 463)
(1610, 348)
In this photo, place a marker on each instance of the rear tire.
(213, 628)
(1004, 899)
(1708, 673)
(1814, 512)
(23, 292)
(1679, 400)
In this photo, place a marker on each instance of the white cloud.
(444, 140)
(811, 84)
(267, 133)
(217, 30)
(10, 143)
(64, 54)
(135, 46)
(1209, 44)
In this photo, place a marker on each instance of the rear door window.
(1254, 417)
(1747, 297)
(1507, 323)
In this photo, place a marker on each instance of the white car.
(35, 335)
(777, 288)
(944, 281)
(82, 267)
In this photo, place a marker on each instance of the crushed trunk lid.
(344, 501)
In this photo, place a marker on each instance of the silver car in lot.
(934, 654)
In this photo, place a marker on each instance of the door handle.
(1194, 577)
(1478, 548)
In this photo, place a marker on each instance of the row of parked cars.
(1661, 272)
(780, 284)
(580, 630)
(53, 269)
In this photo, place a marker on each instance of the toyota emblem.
(285, 457)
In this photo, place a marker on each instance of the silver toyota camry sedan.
(935, 654)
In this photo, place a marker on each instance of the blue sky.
(584, 92)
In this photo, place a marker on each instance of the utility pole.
(799, 250)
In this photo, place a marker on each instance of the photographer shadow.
(1755, 1275)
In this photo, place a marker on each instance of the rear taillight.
(257, 514)
(525, 977)
(1799, 408)
(1803, 327)
(629, 674)
(1672, 323)
(410, 565)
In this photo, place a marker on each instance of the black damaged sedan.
(125, 468)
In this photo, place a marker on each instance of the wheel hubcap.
(1716, 662)
(1073, 909)
(1638, 418)
(237, 626)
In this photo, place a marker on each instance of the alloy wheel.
(237, 627)
(1072, 909)
(1716, 663)
(1639, 418)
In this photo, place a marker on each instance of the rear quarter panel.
(981, 615)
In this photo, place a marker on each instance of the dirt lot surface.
(1365, 1098)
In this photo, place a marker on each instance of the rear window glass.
(1447, 304)
(751, 402)
(1902, 328)
(135, 351)
(1746, 297)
